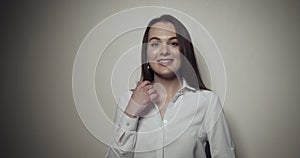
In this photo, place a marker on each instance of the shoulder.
(208, 99)
(207, 94)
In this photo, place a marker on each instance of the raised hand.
(141, 97)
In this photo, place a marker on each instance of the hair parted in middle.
(185, 47)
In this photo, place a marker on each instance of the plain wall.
(258, 40)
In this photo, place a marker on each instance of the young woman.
(170, 113)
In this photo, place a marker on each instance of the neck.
(171, 85)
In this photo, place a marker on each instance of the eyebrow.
(156, 38)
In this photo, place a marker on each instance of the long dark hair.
(185, 47)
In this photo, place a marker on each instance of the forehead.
(162, 29)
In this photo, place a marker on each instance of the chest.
(179, 124)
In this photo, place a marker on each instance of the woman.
(170, 113)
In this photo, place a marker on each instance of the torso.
(164, 107)
(176, 128)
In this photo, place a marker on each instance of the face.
(163, 50)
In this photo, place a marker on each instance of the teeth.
(164, 60)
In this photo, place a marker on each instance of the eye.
(154, 44)
(174, 44)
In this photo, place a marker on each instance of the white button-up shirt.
(191, 118)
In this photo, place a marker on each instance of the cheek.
(177, 55)
(179, 61)
(151, 54)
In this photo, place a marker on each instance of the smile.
(165, 62)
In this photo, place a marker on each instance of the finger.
(144, 83)
(147, 87)
(138, 83)
(151, 91)
(153, 96)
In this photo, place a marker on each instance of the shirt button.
(165, 121)
(127, 124)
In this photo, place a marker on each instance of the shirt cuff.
(128, 123)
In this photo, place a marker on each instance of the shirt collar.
(185, 86)
(180, 92)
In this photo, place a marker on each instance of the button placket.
(165, 122)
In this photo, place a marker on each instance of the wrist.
(130, 115)
(133, 109)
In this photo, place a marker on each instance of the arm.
(126, 120)
(217, 131)
(124, 133)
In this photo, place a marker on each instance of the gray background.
(259, 41)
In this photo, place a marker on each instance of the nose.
(164, 50)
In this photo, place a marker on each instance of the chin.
(167, 75)
(165, 71)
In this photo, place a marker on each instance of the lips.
(165, 62)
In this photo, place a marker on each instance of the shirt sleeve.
(124, 132)
(217, 132)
